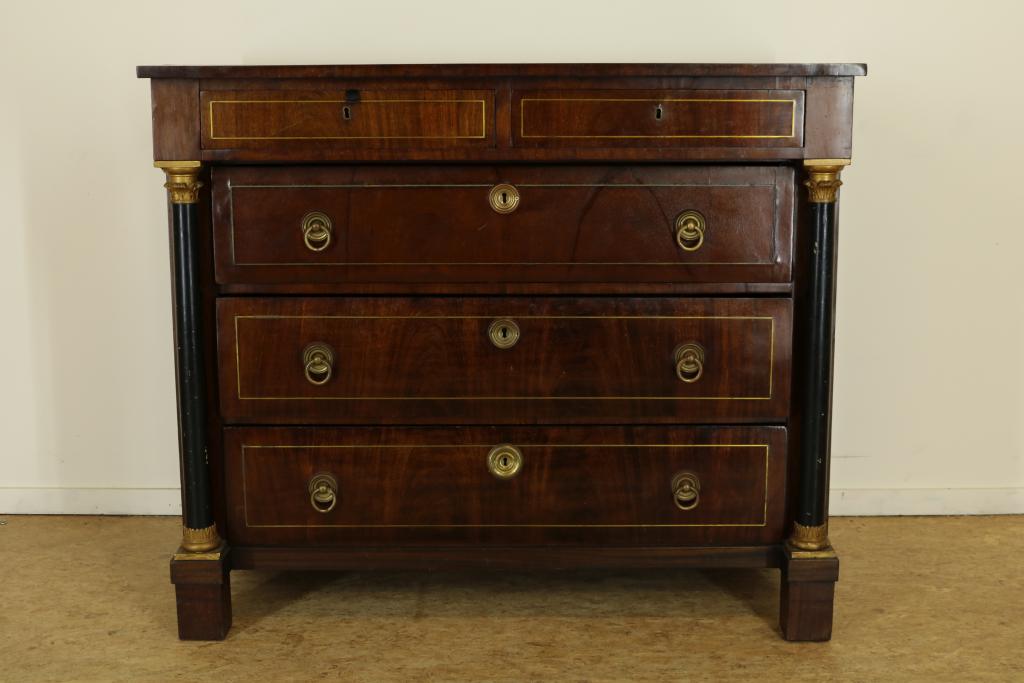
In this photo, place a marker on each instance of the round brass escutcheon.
(689, 361)
(504, 461)
(686, 490)
(690, 227)
(504, 333)
(316, 230)
(504, 198)
(323, 492)
(318, 363)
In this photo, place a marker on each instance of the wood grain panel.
(463, 557)
(435, 225)
(633, 117)
(175, 119)
(415, 360)
(351, 117)
(573, 71)
(408, 484)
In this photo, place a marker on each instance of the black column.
(199, 533)
(817, 371)
(191, 383)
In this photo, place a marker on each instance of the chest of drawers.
(522, 316)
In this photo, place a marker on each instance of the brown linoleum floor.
(929, 599)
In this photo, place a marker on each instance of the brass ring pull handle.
(686, 490)
(316, 230)
(318, 363)
(504, 333)
(504, 198)
(504, 461)
(690, 227)
(689, 362)
(323, 492)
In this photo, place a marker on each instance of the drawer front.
(645, 118)
(642, 224)
(272, 119)
(503, 360)
(671, 485)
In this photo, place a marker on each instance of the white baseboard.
(61, 500)
(884, 502)
(167, 501)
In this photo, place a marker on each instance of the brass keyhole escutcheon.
(504, 333)
(318, 363)
(504, 198)
(689, 362)
(323, 492)
(686, 490)
(690, 228)
(316, 230)
(504, 461)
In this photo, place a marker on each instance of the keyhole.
(504, 198)
(504, 334)
(504, 461)
(657, 112)
(346, 113)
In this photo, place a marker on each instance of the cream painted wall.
(930, 357)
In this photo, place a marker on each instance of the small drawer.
(272, 119)
(646, 118)
(669, 485)
(503, 360)
(596, 224)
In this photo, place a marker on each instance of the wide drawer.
(656, 485)
(645, 118)
(596, 224)
(297, 119)
(503, 360)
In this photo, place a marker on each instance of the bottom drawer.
(505, 485)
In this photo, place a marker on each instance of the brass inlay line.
(231, 220)
(522, 118)
(505, 398)
(483, 121)
(245, 499)
(404, 185)
(412, 264)
(238, 364)
(523, 445)
(378, 264)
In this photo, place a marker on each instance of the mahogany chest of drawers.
(537, 316)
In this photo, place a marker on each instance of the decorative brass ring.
(323, 492)
(690, 227)
(504, 198)
(504, 333)
(504, 461)
(318, 363)
(686, 490)
(316, 230)
(689, 361)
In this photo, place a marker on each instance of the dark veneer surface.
(431, 360)
(569, 71)
(605, 158)
(406, 225)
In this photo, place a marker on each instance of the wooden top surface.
(489, 70)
